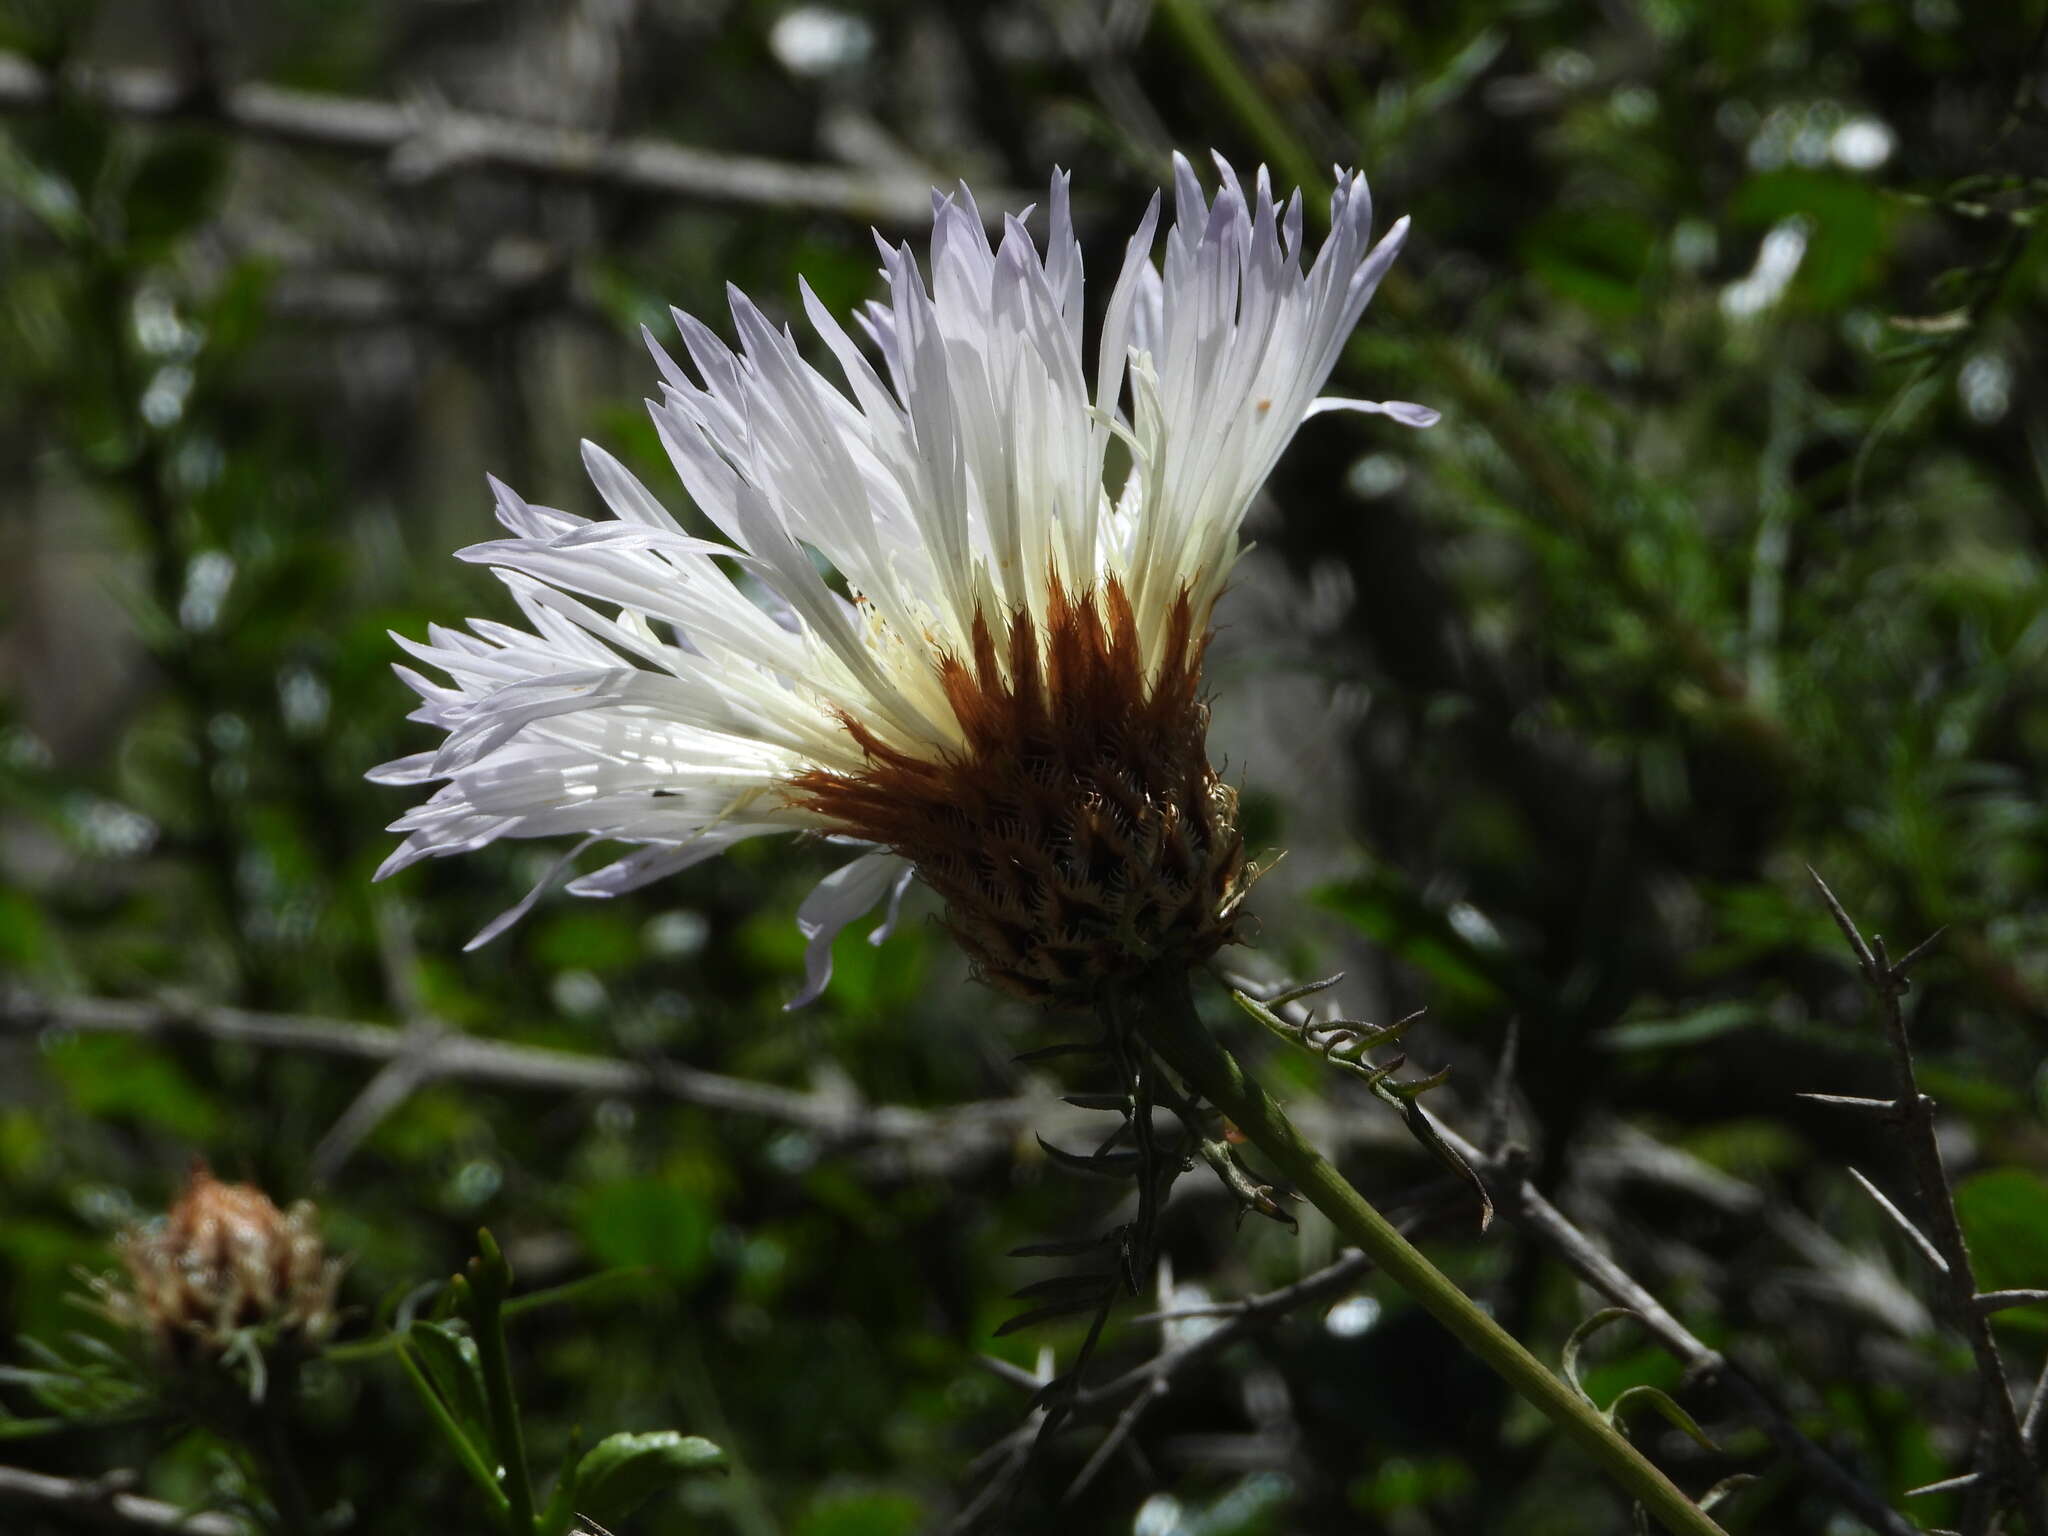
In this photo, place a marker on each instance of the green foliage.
(2004, 1212)
(622, 1472)
(653, 1223)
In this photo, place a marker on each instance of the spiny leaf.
(1072, 1248)
(1306, 989)
(1662, 1401)
(1424, 1130)
(1098, 1285)
(1569, 1360)
(1103, 1165)
(1117, 1103)
(1053, 1052)
(1048, 1314)
(1410, 1091)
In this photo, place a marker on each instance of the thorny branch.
(106, 1501)
(2003, 1441)
(1155, 1166)
(1145, 1384)
(420, 141)
(1518, 1199)
(923, 1141)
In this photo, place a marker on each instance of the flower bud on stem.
(1160, 1009)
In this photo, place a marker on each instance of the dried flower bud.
(223, 1262)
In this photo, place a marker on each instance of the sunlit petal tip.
(1406, 412)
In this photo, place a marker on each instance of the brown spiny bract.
(225, 1260)
(1080, 835)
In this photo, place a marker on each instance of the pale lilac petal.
(1406, 412)
(887, 925)
(849, 892)
(524, 905)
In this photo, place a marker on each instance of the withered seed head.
(223, 1261)
(1080, 836)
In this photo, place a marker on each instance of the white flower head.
(932, 625)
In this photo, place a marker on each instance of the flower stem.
(1162, 1010)
(281, 1475)
(485, 1287)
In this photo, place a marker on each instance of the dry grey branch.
(398, 1079)
(924, 1140)
(420, 141)
(106, 1502)
(1862, 1281)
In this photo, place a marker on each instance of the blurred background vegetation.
(1726, 560)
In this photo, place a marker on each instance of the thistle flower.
(223, 1262)
(933, 628)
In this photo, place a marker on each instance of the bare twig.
(419, 141)
(890, 1140)
(401, 1076)
(923, 1138)
(105, 1501)
(1131, 1393)
(1859, 1280)
(2004, 1443)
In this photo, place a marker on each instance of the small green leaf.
(624, 1471)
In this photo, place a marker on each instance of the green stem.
(1212, 56)
(1163, 1012)
(281, 1473)
(485, 1288)
(458, 1440)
